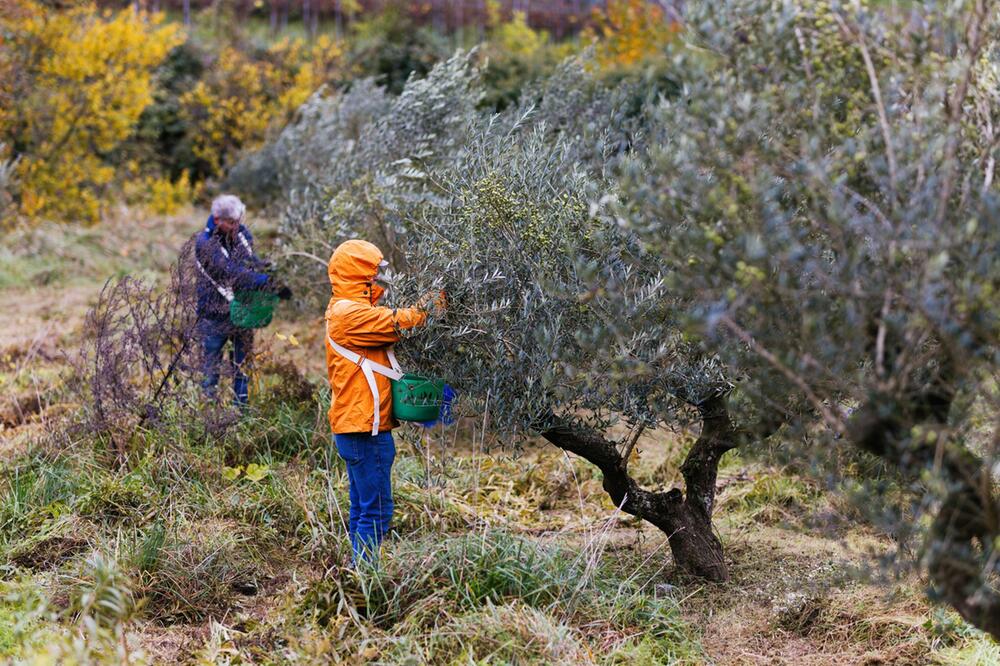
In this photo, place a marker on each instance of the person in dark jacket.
(226, 263)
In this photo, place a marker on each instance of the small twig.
(307, 255)
(883, 119)
(802, 48)
(828, 416)
(631, 445)
(880, 337)
(955, 105)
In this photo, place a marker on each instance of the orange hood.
(352, 270)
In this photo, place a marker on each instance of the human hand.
(284, 293)
(433, 302)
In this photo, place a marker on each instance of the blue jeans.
(369, 468)
(212, 348)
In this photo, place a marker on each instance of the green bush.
(390, 47)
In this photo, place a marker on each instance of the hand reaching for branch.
(435, 303)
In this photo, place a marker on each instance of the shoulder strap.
(361, 361)
(245, 242)
(393, 372)
(225, 292)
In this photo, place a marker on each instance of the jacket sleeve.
(377, 327)
(225, 270)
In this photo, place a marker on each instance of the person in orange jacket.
(360, 363)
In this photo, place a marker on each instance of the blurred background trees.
(150, 102)
(75, 84)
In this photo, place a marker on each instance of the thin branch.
(883, 119)
(955, 107)
(307, 255)
(880, 337)
(836, 424)
(631, 445)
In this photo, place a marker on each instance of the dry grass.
(240, 570)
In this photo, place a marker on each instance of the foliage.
(503, 593)
(514, 54)
(392, 48)
(313, 149)
(68, 65)
(97, 625)
(8, 182)
(494, 210)
(156, 195)
(823, 207)
(626, 32)
(161, 142)
(241, 97)
(164, 197)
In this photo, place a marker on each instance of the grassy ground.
(234, 550)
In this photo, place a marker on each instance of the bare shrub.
(140, 359)
(7, 183)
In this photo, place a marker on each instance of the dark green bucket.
(417, 398)
(252, 309)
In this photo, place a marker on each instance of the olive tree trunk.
(962, 546)
(684, 516)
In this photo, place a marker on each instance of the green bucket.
(252, 309)
(417, 398)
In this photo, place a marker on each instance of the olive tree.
(496, 211)
(518, 254)
(823, 194)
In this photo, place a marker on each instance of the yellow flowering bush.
(514, 53)
(516, 37)
(627, 31)
(82, 79)
(240, 97)
(165, 197)
(157, 194)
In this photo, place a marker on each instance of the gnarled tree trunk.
(961, 548)
(685, 516)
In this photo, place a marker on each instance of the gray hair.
(228, 206)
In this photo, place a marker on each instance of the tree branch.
(686, 522)
(963, 533)
(883, 119)
(701, 467)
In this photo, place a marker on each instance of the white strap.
(226, 292)
(395, 372)
(361, 361)
(243, 241)
(376, 398)
(369, 368)
(246, 243)
(390, 352)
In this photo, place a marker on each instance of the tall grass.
(491, 595)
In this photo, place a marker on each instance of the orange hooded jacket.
(355, 321)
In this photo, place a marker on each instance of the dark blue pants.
(369, 466)
(241, 348)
